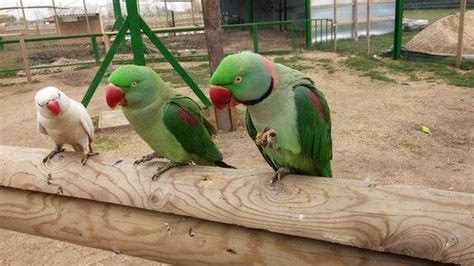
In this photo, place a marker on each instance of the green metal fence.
(252, 27)
(323, 31)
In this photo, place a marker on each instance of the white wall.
(344, 14)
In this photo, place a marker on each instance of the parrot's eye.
(134, 84)
(237, 80)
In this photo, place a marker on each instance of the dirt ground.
(376, 134)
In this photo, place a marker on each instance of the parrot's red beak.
(54, 107)
(115, 96)
(221, 96)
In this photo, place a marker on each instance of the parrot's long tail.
(224, 165)
(327, 172)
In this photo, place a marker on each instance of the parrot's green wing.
(314, 127)
(252, 131)
(183, 118)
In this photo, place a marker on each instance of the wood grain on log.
(419, 222)
(168, 237)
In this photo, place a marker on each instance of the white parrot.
(65, 121)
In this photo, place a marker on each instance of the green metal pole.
(397, 41)
(250, 11)
(117, 14)
(107, 60)
(170, 58)
(308, 23)
(293, 36)
(119, 20)
(250, 16)
(135, 31)
(95, 50)
(255, 38)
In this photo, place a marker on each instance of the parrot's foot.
(58, 149)
(147, 158)
(282, 172)
(266, 137)
(86, 157)
(167, 167)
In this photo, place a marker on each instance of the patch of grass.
(325, 60)
(292, 61)
(378, 75)
(438, 70)
(360, 63)
(327, 64)
(299, 67)
(430, 14)
(412, 69)
(34, 81)
(288, 60)
(368, 66)
(106, 143)
(8, 74)
(378, 44)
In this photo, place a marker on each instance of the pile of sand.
(441, 37)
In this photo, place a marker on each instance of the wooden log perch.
(418, 222)
(170, 238)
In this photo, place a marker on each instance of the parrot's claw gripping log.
(266, 137)
(167, 167)
(147, 158)
(86, 157)
(282, 172)
(58, 149)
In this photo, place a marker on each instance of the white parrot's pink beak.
(54, 107)
(115, 96)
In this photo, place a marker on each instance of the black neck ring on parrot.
(261, 98)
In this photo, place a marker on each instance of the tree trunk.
(212, 22)
(211, 12)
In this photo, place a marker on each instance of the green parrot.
(172, 125)
(287, 116)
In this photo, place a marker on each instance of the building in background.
(382, 14)
(73, 21)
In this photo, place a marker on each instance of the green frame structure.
(137, 27)
(119, 20)
(307, 8)
(397, 39)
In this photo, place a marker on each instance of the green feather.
(194, 135)
(314, 131)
